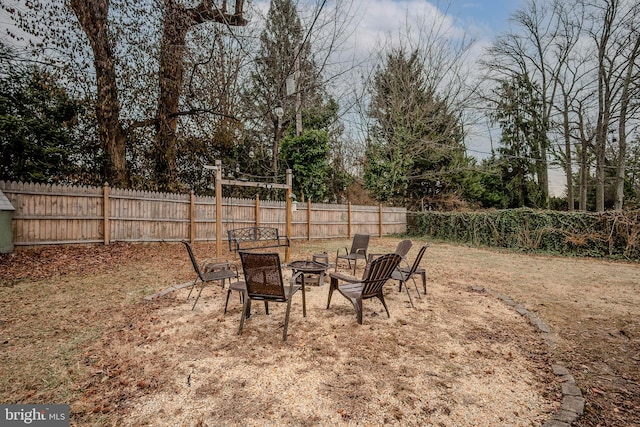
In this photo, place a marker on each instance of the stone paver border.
(572, 406)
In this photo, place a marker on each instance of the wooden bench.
(255, 238)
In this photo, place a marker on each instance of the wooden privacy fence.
(59, 214)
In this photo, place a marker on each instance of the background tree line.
(145, 94)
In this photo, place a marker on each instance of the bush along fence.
(58, 214)
(607, 234)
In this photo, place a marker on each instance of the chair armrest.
(294, 278)
(344, 277)
(216, 261)
(212, 264)
(292, 282)
(371, 257)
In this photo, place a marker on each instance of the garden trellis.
(219, 182)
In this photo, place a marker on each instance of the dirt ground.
(76, 328)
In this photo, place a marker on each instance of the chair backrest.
(403, 247)
(263, 276)
(196, 267)
(378, 272)
(416, 262)
(360, 242)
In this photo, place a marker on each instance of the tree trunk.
(175, 27)
(92, 16)
(567, 153)
(584, 176)
(178, 20)
(605, 81)
(622, 123)
(600, 151)
(584, 165)
(543, 172)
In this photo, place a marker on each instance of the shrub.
(608, 234)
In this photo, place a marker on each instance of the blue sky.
(492, 15)
(481, 20)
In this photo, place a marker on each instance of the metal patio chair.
(213, 270)
(358, 251)
(402, 249)
(263, 278)
(403, 274)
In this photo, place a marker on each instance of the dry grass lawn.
(76, 329)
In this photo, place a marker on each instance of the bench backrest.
(255, 237)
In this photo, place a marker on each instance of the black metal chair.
(213, 270)
(376, 274)
(403, 274)
(402, 249)
(358, 251)
(263, 278)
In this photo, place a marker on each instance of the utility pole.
(298, 96)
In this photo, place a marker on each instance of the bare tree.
(178, 20)
(615, 35)
(97, 21)
(571, 82)
(539, 48)
(629, 91)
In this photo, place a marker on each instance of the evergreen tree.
(518, 112)
(414, 149)
(282, 52)
(38, 119)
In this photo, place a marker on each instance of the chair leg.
(198, 297)
(333, 284)
(286, 319)
(244, 311)
(227, 301)
(192, 286)
(406, 286)
(357, 305)
(416, 286)
(381, 298)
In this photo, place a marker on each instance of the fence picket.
(61, 214)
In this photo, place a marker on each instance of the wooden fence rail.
(59, 214)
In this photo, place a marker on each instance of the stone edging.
(572, 401)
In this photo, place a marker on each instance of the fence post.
(309, 220)
(349, 220)
(105, 213)
(218, 208)
(380, 219)
(289, 214)
(192, 218)
(257, 214)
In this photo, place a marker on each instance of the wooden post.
(349, 220)
(309, 220)
(380, 220)
(106, 227)
(218, 208)
(257, 219)
(287, 250)
(192, 218)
